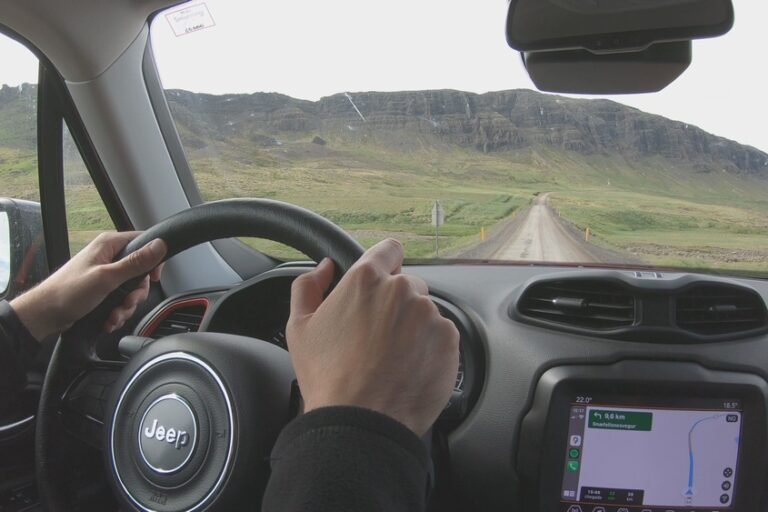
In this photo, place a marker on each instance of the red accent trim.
(168, 310)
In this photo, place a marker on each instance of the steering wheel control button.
(167, 434)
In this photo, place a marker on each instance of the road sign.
(438, 219)
(438, 215)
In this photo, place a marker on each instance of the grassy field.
(648, 210)
(373, 193)
(671, 231)
(86, 214)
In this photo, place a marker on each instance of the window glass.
(19, 168)
(391, 118)
(86, 214)
(18, 121)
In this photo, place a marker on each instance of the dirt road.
(542, 237)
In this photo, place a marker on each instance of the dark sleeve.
(346, 459)
(17, 349)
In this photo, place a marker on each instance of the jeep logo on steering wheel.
(178, 438)
(167, 434)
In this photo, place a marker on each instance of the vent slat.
(576, 315)
(624, 307)
(585, 303)
(182, 320)
(716, 322)
(719, 309)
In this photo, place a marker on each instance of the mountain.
(491, 123)
(18, 128)
(494, 122)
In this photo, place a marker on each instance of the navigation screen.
(649, 458)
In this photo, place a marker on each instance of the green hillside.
(656, 190)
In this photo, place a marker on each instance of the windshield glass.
(416, 120)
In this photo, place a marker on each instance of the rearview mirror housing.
(583, 72)
(611, 46)
(605, 26)
(23, 261)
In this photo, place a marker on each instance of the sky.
(309, 49)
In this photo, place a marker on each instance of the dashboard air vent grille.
(584, 303)
(717, 309)
(178, 318)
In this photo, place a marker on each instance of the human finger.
(415, 282)
(308, 289)
(386, 255)
(139, 262)
(154, 276)
(124, 311)
(109, 244)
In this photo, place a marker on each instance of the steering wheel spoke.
(83, 408)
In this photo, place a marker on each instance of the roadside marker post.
(587, 234)
(482, 234)
(438, 219)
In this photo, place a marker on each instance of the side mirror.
(23, 261)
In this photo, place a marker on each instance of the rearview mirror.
(611, 46)
(23, 261)
(583, 72)
(613, 25)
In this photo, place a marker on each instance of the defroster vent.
(583, 303)
(720, 309)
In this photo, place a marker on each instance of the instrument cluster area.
(260, 308)
(256, 310)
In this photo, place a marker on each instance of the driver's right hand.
(377, 341)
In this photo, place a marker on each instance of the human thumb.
(308, 289)
(140, 262)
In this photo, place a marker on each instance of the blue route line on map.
(690, 450)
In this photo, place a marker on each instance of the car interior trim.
(10, 428)
(160, 316)
(50, 156)
(140, 158)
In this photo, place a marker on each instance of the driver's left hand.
(84, 282)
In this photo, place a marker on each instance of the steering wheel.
(192, 418)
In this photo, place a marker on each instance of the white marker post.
(438, 219)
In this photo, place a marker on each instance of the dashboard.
(579, 390)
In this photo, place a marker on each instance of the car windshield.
(415, 120)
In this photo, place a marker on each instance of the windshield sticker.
(190, 19)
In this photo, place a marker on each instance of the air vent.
(583, 303)
(717, 309)
(177, 318)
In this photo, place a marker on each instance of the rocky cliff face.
(491, 122)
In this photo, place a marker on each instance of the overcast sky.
(309, 49)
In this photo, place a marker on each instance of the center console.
(645, 437)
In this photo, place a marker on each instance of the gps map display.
(633, 458)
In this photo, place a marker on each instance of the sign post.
(438, 219)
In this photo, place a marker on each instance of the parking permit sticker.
(192, 18)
